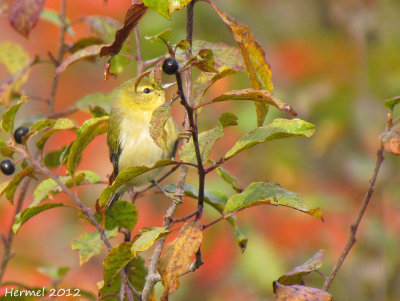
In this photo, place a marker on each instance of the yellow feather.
(134, 110)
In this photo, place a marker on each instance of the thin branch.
(66, 112)
(9, 240)
(139, 56)
(38, 165)
(60, 54)
(354, 227)
(136, 195)
(153, 277)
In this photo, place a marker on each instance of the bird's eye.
(147, 91)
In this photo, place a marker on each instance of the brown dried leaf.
(391, 140)
(254, 57)
(132, 18)
(24, 14)
(299, 293)
(80, 54)
(259, 96)
(295, 276)
(177, 256)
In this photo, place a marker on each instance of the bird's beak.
(166, 86)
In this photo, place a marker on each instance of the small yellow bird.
(128, 135)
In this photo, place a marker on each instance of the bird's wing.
(114, 146)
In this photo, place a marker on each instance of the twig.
(353, 228)
(60, 54)
(38, 165)
(66, 112)
(158, 181)
(8, 241)
(193, 126)
(153, 277)
(139, 56)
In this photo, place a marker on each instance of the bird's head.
(144, 97)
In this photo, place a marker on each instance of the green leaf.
(278, 129)
(89, 130)
(166, 7)
(55, 273)
(263, 96)
(137, 273)
(126, 175)
(12, 186)
(227, 119)
(13, 56)
(23, 15)
(84, 43)
(60, 124)
(99, 99)
(159, 118)
(5, 150)
(391, 103)
(204, 60)
(224, 55)
(161, 35)
(296, 275)
(48, 188)
(117, 259)
(269, 193)
(22, 217)
(7, 123)
(230, 179)
(147, 238)
(53, 16)
(80, 54)
(207, 140)
(217, 200)
(90, 244)
(97, 111)
(43, 124)
(122, 214)
(53, 159)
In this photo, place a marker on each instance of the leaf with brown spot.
(159, 118)
(12, 185)
(299, 293)
(391, 140)
(80, 54)
(254, 57)
(177, 256)
(296, 275)
(166, 7)
(132, 18)
(24, 14)
(204, 60)
(259, 96)
(268, 193)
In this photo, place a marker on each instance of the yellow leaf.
(177, 256)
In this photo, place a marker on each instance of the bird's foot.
(175, 197)
(185, 134)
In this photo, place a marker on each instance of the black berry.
(20, 133)
(7, 167)
(170, 66)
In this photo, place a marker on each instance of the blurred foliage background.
(335, 62)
